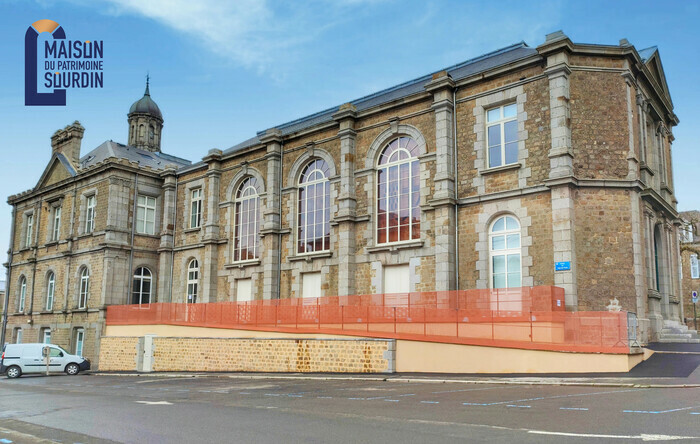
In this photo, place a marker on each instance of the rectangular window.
(18, 336)
(311, 285)
(30, 229)
(244, 290)
(90, 214)
(56, 231)
(79, 339)
(146, 215)
(502, 135)
(687, 234)
(196, 208)
(397, 284)
(694, 267)
(46, 336)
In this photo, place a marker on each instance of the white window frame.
(84, 289)
(90, 205)
(505, 252)
(144, 275)
(502, 123)
(326, 245)
(19, 333)
(56, 228)
(252, 200)
(50, 290)
(386, 166)
(192, 281)
(694, 267)
(45, 334)
(21, 305)
(30, 230)
(79, 341)
(145, 214)
(196, 208)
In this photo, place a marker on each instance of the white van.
(29, 358)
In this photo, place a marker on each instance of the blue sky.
(220, 71)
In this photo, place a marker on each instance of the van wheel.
(72, 369)
(14, 372)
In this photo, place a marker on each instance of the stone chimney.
(67, 141)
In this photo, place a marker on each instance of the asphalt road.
(91, 408)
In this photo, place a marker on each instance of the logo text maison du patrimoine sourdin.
(65, 64)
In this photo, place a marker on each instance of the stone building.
(525, 166)
(690, 263)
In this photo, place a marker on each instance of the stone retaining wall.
(248, 354)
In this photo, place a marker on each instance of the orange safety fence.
(529, 318)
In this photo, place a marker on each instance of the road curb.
(404, 380)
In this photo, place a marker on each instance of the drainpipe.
(172, 251)
(133, 229)
(456, 174)
(279, 235)
(8, 275)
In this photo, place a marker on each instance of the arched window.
(398, 192)
(151, 133)
(142, 286)
(142, 130)
(50, 290)
(84, 287)
(246, 237)
(504, 248)
(22, 294)
(314, 207)
(192, 281)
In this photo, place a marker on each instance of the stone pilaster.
(556, 49)
(346, 200)
(442, 87)
(210, 262)
(165, 261)
(271, 231)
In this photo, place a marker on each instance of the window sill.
(18, 314)
(243, 264)
(151, 236)
(192, 230)
(511, 166)
(396, 246)
(50, 243)
(308, 257)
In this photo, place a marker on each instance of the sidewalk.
(671, 366)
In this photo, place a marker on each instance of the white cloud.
(244, 30)
(248, 32)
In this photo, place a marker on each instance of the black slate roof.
(144, 158)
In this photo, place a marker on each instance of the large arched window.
(192, 281)
(142, 286)
(314, 229)
(84, 287)
(504, 248)
(22, 294)
(398, 192)
(246, 238)
(50, 290)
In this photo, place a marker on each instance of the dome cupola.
(145, 122)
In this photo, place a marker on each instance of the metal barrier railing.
(532, 318)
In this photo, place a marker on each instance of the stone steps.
(674, 331)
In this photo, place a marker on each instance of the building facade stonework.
(484, 175)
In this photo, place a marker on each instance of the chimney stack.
(67, 141)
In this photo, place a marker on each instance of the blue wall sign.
(562, 266)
